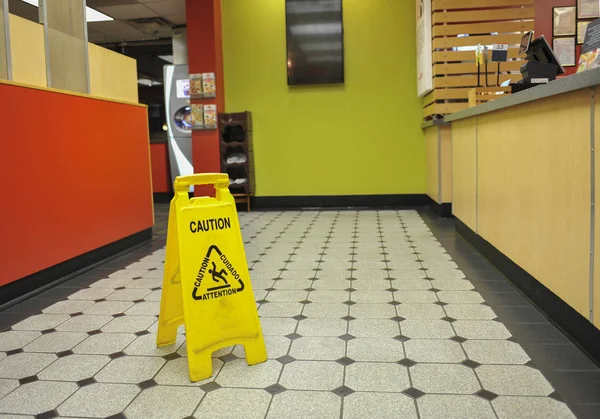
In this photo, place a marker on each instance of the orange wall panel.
(161, 177)
(75, 176)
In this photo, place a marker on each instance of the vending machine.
(179, 125)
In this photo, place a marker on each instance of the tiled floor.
(365, 315)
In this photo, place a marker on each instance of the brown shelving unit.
(237, 155)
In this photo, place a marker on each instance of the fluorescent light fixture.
(317, 29)
(91, 15)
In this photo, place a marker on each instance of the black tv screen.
(315, 41)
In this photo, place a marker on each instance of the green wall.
(362, 137)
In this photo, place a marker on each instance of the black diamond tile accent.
(139, 301)
(441, 303)
(142, 333)
(401, 338)
(470, 363)
(306, 302)
(346, 337)
(117, 416)
(300, 317)
(293, 336)
(86, 382)
(79, 313)
(64, 353)
(348, 318)
(116, 355)
(413, 392)
(153, 269)
(14, 352)
(270, 289)
(100, 300)
(118, 315)
(485, 394)
(350, 289)
(228, 358)
(120, 288)
(392, 289)
(51, 414)
(397, 318)
(153, 289)
(170, 357)
(395, 303)
(458, 339)
(422, 269)
(310, 289)
(419, 260)
(286, 359)
(349, 303)
(137, 277)
(407, 362)
(434, 290)
(262, 301)
(449, 319)
(343, 391)
(208, 387)
(275, 389)
(345, 361)
(45, 332)
(147, 384)
(554, 395)
(29, 379)
(94, 332)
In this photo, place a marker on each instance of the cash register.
(541, 67)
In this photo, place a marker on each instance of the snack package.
(589, 61)
(196, 84)
(197, 115)
(210, 115)
(208, 84)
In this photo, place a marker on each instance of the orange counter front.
(74, 177)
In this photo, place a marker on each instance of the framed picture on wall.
(588, 9)
(564, 21)
(564, 49)
(581, 27)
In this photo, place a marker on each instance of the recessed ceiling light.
(91, 15)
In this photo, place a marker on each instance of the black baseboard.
(44, 279)
(444, 210)
(579, 329)
(342, 201)
(162, 197)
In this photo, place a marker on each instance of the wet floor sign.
(206, 285)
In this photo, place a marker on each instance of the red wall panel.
(544, 22)
(161, 176)
(75, 176)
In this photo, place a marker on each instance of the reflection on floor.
(365, 315)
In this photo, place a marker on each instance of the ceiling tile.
(168, 7)
(132, 11)
(176, 19)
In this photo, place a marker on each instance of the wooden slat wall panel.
(443, 69)
(472, 41)
(472, 4)
(450, 56)
(484, 22)
(486, 15)
(482, 28)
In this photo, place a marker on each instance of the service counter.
(524, 185)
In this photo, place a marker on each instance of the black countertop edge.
(432, 123)
(567, 84)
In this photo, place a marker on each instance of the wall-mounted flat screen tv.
(315, 41)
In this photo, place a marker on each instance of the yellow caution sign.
(206, 285)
